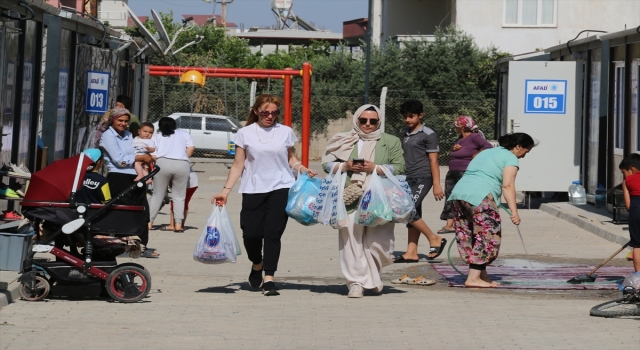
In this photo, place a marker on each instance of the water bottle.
(601, 197)
(571, 189)
(579, 195)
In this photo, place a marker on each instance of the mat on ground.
(546, 278)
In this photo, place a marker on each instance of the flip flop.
(165, 228)
(401, 259)
(421, 281)
(404, 279)
(444, 230)
(149, 254)
(437, 250)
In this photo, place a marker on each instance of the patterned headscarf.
(116, 113)
(466, 123)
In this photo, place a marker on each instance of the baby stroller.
(50, 203)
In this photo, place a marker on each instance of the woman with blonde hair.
(265, 160)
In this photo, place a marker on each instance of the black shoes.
(269, 289)
(255, 278)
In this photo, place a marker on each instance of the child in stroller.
(52, 202)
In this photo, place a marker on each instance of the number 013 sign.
(545, 96)
(97, 92)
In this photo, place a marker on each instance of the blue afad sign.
(97, 92)
(545, 96)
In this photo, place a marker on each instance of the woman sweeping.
(477, 218)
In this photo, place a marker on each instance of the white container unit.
(544, 102)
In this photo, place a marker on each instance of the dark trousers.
(263, 217)
(119, 182)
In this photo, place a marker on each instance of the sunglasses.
(363, 121)
(267, 113)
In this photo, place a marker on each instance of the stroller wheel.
(128, 284)
(40, 291)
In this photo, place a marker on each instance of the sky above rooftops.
(325, 14)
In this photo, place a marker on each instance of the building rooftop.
(258, 36)
(203, 20)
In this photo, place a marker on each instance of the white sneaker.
(355, 291)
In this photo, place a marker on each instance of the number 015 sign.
(546, 96)
(97, 92)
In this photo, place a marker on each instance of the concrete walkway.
(196, 306)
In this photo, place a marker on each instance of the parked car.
(210, 133)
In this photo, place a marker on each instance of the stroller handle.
(155, 170)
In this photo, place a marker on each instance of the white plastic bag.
(374, 208)
(218, 243)
(330, 209)
(399, 195)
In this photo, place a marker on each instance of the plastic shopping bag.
(330, 209)
(399, 195)
(374, 208)
(218, 243)
(302, 199)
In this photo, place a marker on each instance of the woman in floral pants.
(477, 218)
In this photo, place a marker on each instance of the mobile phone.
(358, 161)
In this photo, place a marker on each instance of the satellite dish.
(164, 36)
(151, 41)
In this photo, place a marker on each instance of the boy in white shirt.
(143, 144)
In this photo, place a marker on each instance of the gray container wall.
(14, 248)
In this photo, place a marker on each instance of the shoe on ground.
(255, 278)
(11, 215)
(269, 289)
(355, 291)
(9, 193)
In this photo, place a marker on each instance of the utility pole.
(224, 13)
(368, 58)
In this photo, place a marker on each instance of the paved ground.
(195, 306)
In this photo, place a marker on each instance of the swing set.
(286, 74)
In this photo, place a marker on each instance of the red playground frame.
(285, 74)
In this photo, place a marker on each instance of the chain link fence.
(200, 110)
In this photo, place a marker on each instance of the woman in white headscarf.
(364, 250)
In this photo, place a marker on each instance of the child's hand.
(150, 149)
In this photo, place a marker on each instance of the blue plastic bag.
(303, 196)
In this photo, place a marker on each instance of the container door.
(545, 101)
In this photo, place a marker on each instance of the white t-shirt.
(266, 166)
(140, 145)
(173, 146)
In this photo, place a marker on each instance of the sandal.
(444, 230)
(421, 281)
(437, 250)
(148, 253)
(404, 279)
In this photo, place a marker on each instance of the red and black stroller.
(50, 204)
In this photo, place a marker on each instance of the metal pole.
(368, 59)
(306, 112)
(287, 99)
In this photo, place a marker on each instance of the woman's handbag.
(218, 242)
(330, 209)
(303, 196)
(399, 195)
(374, 208)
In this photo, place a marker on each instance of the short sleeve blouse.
(266, 165)
(484, 176)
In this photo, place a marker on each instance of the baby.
(143, 144)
